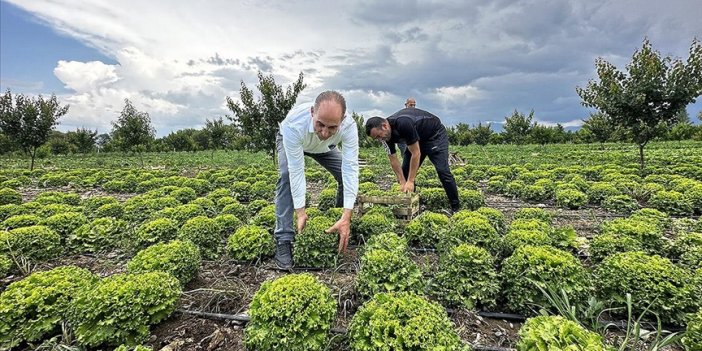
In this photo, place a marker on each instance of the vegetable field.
(555, 246)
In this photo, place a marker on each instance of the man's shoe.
(283, 255)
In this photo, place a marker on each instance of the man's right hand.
(301, 219)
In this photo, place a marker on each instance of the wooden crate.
(406, 206)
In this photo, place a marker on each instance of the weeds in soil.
(231, 293)
(24, 264)
(63, 342)
(590, 317)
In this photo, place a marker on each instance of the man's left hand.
(343, 227)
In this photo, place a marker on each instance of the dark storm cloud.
(527, 55)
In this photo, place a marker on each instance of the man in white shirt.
(314, 130)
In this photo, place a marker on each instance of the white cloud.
(467, 61)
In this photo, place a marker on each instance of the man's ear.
(312, 110)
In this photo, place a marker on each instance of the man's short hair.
(374, 122)
(331, 95)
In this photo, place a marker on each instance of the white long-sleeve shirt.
(298, 134)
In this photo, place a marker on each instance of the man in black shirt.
(424, 135)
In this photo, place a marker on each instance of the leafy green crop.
(530, 266)
(402, 321)
(34, 307)
(555, 333)
(179, 258)
(35, 243)
(387, 271)
(203, 232)
(693, 336)
(571, 198)
(671, 202)
(249, 243)
(10, 196)
(426, 229)
(476, 230)
(314, 247)
(466, 277)
(160, 230)
(652, 281)
(100, 234)
(119, 309)
(65, 223)
(293, 312)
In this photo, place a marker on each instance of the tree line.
(645, 103)
(520, 128)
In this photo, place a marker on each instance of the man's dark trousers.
(437, 151)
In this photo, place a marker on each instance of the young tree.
(463, 135)
(482, 134)
(517, 127)
(541, 134)
(259, 118)
(83, 140)
(103, 142)
(28, 121)
(217, 133)
(132, 131)
(646, 99)
(600, 127)
(363, 139)
(180, 140)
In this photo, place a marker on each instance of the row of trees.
(644, 103)
(598, 128)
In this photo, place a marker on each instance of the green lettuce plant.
(179, 258)
(293, 312)
(249, 243)
(120, 309)
(33, 308)
(402, 321)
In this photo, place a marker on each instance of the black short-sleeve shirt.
(411, 125)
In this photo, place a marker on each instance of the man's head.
(378, 128)
(410, 102)
(327, 113)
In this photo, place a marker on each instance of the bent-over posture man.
(425, 136)
(314, 130)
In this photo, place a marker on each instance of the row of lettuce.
(671, 187)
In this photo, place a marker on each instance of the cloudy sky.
(466, 61)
